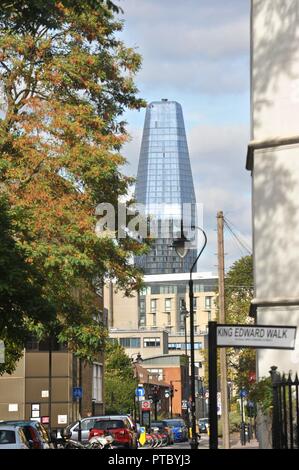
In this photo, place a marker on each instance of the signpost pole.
(212, 345)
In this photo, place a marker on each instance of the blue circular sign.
(139, 392)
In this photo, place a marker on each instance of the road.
(203, 444)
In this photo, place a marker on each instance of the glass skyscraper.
(164, 186)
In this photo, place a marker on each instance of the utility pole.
(223, 365)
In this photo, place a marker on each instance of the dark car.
(203, 424)
(120, 428)
(179, 429)
(35, 433)
(161, 427)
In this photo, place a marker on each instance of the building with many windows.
(159, 313)
(164, 187)
(42, 385)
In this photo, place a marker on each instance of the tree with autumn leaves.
(66, 79)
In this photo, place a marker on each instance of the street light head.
(180, 246)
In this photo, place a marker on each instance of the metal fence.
(285, 422)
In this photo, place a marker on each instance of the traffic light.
(155, 393)
(169, 392)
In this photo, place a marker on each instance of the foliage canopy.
(66, 80)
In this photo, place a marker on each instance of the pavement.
(235, 443)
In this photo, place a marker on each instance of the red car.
(121, 429)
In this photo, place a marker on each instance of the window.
(208, 303)
(130, 342)
(182, 303)
(181, 346)
(167, 305)
(171, 289)
(151, 342)
(97, 382)
(156, 372)
(7, 437)
(142, 305)
(86, 425)
(153, 305)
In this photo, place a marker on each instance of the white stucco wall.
(275, 68)
(275, 113)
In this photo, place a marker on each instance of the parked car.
(121, 428)
(179, 429)
(12, 437)
(86, 425)
(203, 424)
(34, 432)
(162, 428)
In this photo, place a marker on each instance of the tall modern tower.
(164, 186)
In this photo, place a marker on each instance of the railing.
(285, 424)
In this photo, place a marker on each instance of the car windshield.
(7, 437)
(111, 424)
(175, 424)
(157, 425)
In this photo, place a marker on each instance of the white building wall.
(275, 114)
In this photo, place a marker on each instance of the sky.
(197, 52)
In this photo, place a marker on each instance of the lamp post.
(181, 250)
(137, 360)
(186, 314)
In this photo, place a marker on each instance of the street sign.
(77, 392)
(184, 405)
(146, 406)
(139, 392)
(142, 438)
(256, 336)
(243, 393)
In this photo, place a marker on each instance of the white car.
(12, 437)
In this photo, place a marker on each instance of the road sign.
(139, 392)
(243, 393)
(142, 437)
(256, 336)
(146, 405)
(184, 404)
(77, 392)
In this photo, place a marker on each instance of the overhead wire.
(234, 229)
(237, 238)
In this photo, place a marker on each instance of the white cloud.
(198, 45)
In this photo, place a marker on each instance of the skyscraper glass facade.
(164, 186)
